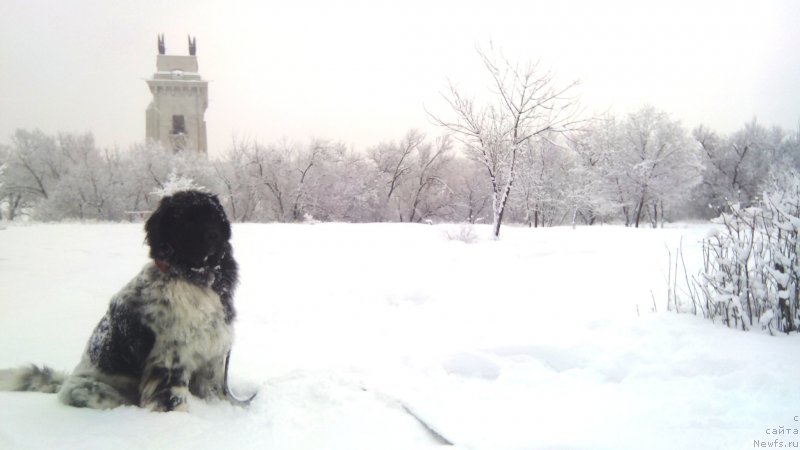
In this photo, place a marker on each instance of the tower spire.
(175, 116)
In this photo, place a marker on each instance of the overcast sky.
(363, 72)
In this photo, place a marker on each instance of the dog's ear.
(154, 234)
(223, 217)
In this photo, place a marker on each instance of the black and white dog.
(168, 332)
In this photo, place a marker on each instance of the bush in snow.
(751, 272)
(465, 233)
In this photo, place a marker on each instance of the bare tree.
(597, 174)
(527, 103)
(430, 160)
(350, 189)
(658, 161)
(268, 173)
(306, 196)
(412, 170)
(394, 160)
(736, 166)
(471, 200)
(543, 188)
(6, 200)
(33, 168)
(35, 159)
(276, 182)
(232, 172)
(85, 188)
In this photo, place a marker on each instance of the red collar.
(162, 265)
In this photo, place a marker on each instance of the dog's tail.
(31, 379)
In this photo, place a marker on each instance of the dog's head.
(189, 233)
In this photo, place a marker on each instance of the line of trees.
(642, 169)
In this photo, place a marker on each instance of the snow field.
(533, 341)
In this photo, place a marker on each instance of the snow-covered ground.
(542, 340)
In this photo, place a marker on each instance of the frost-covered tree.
(148, 169)
(309, 163)
(394, 160)
(598, 177)
(262, 177)
(89, 187)
(640, 168)
(429, 194)
(33, 168)
(279, 182)
(659, 165)
(527, 103)
(2, 172)
(543, 196)
(788, 154)
(4, 199)
(412, 171)
(735, 167)
(351, 189)
(471, 192)
(237, 193)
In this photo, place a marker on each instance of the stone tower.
(180, 98)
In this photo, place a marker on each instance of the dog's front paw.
(165, 389)
(162, 398)
(169, 401)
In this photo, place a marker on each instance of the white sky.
(363, 72)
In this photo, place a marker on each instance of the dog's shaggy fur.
(168, 332)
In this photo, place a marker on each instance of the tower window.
(178, 125)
